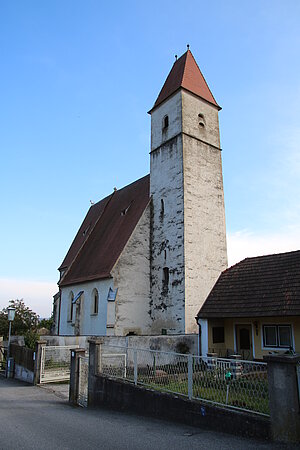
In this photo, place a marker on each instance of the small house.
(254, 308)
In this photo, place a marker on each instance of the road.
(40, 418)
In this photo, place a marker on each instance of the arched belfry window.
(201, 120)
(70, 307)
(165, 122)
(95, 301)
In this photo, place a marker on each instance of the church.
(146, 257)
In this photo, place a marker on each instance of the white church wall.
(90, 324)
(131, 276)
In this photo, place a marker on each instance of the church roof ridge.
(186, 74)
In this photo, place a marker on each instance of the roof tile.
(113, 220)
(186, 74)
(261, 286)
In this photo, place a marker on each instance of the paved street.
(41, 418)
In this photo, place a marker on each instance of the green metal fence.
(227, 382)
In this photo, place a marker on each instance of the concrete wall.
(162, 343)
(80, 341)
(131, 275)
(21, 373)
(105, 392)
(257, 334)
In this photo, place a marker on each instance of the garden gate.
(55, 363)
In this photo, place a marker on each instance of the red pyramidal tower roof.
(186, 74)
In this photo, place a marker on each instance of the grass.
(243, 393)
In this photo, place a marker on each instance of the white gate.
(83, 369)
(55, 363)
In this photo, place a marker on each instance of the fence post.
(95, 349)
(284, 397)
(38, 361)
(190, 376)
(135, 369)
(99, 357)
(74, 374)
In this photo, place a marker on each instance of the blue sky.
(77, 79)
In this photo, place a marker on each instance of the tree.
(46, 323)
(25, 322)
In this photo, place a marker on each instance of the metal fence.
(2, 358)
(227, 382)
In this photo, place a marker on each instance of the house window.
(218, 335)
(95, 301)
(71, 305)
(279, 336)
(165, 122)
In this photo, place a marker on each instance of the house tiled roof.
(104, 233)
(261, 286)
(185, 74)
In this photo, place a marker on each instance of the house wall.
(229, 346)
(90, 324)
(131, 276)
(205, 250)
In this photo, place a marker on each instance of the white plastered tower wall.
(167, 220)
(189, 236)
(205, 250)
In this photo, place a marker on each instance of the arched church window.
(71, 298)
(201, 120)
(165, 122)
(95, 301)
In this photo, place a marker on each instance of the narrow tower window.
(165, 280)
(165, 122)
(162, 207)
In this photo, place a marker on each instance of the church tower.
(188, 237)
